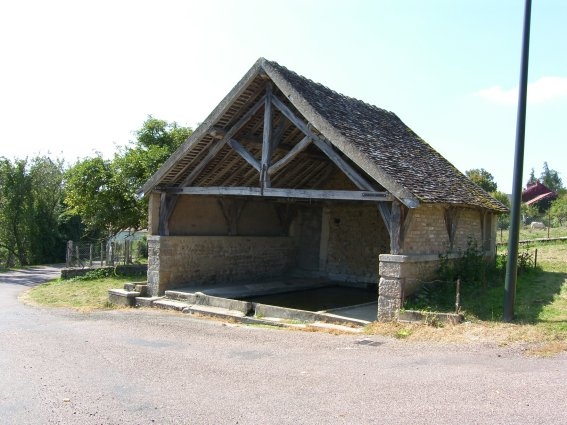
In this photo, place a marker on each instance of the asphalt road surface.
(154, 367)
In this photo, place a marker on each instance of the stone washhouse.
(286, 177)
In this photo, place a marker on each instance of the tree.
(15, 211)
(47, 240)
(503, 219)
(30, 209)
(532, 179)
(95, 192)
(558, 209)
(550, 178)
(103, 192)
(482, 178)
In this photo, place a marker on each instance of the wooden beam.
(395, 226)
(279, 130)
(350, 172)
(218, 145)
(215, 148)
(166, 208)
(267, 138)
(344, 195)
(386, 216)
(298, 148)
(244, 153)
(284, 109)
(231, 210)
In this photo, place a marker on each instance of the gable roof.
(372, 140)
(537, 192)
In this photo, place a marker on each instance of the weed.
(402, 333)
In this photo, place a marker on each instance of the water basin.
(319, 299)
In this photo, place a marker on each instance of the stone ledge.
(122, 297)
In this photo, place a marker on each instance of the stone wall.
(179, 261)
(356, 237)
(425, 240)
(468, 229)
(426, 233)
(203, 215)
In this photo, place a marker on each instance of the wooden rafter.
(217, 146)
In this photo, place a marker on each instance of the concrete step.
(122, 297)
(168, 304)
(206, 310)
(146, 301)
(198, 298)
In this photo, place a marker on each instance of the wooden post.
(395, 225)
(101, 252)
(90, 255)
(77, 254)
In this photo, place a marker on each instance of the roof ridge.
(370, 105)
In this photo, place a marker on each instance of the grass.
(74, 293)
(540, 308)
(528, 234)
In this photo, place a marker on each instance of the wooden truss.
(265, 169)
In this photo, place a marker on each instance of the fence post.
(90, 255)
(77, 254)
(101, 252)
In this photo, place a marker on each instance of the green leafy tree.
(529, 213)
(532, 179)
(503, 219)
(96, 193)
(103, 192)
(482, 178)
(47, 240)
(15, 212)
(558, 209)
(550, 178)
(30, 210)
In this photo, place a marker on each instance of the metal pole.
(512, 263)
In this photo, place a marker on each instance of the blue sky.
(79, 77)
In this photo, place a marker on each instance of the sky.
(79, 77)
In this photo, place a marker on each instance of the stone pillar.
(390, 288)
(153, 266)
(400, 276)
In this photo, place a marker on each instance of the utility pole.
(512, 263)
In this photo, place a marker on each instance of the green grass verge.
(527, 234)
(74, 293)
(541, 294)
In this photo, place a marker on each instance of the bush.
(478, 275)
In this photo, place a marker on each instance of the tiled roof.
(536, 192)
(375, 141)
(385, 140)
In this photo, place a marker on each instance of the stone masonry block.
(388, 308)
(391, 288)
(388, 269)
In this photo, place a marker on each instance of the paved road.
(149, 367)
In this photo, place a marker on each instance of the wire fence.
(105, 253)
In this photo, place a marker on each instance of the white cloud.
(545, 89)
